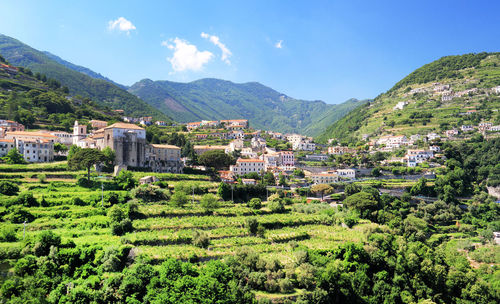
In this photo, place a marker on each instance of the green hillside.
(99, 90)
(36, 101)
(444, 94)
(264, 107)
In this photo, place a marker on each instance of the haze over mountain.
(79, 80)
(212, 99)
(444, 94)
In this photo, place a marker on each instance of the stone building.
(164, 158)
(129, 143)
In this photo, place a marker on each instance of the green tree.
(364, 202)
(8, 188)
(321, 189)
(179, 199)
(216, 159)
(125, 180)
(14, 157)
(109, 159)
(85, 159)
(58, 147)
(269, 179)
(209, 202)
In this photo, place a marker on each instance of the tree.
(376, 172)
(216, 159)
(298, 173)
(109, 159)
(269, 179)
(85, 159)
(224, 191)
(209, 202)
(351, 189)
(126, 180)
(8, 188)
(282, 180)
(179, 199)
(14, 157)
(321, 189)
(58, 147)
(255, 203)
(364, 202)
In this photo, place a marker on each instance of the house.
(31, 136)
(339, 150)
(346, 173)
(447, 97)
(98, 124)
(235, 124)
(304, 145)
(496, 237)
(9, 126)
(64, 138)
(441, 87)
(287, 159)
(435, 149)
(270, 159)
(467, 128)
(6, 145)
(193, 125)
(8, 68)
(148, 180)
(496, 90)
(393, 141)
(244, 166)
(495, 128)
(317, 157)
(147, 120)
(451, 133)
(35, 150)
(417, 156)
(324, 178)
(226, 176)
(415, 137)
(160, 123)
(248, 181)
(164, 158)
(485, 126)
(234, 145)
(433, 136)
(201, 136)
(400, 105)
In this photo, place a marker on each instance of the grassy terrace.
(162, 230)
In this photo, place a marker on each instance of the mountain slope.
(99, 90)
(444, 94)
(212, 99)
(33, 102)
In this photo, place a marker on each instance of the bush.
(8, 188)
(77, 201)
(122, 227)
(27, 200)
(179, 199)
(276, 206)
(125, 180)
(45, 240)
(255, 203)
(112, 198)
(132, 210)
(286, 286)
(84, 182)
(201, 239)
(8, 233)
(252, 225)
(19, 215)
(42, 178)
(209, 202)
(351, 219)
(149, 193)
(116, 214)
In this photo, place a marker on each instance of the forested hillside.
(99, 90)
(445, 94)
(35, 100)
(265, 108)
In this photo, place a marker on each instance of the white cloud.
(226, 53)
(121, 24)
(186, 56)
(279, 44)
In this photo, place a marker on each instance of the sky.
(313, 50)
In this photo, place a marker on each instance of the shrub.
(77, 201)
(42, 178)
(255, 203)
(84, 182)
(126, 180)
(19, 215)
(149, 193)
(116, 214)
(8, 233)
(122, 227)
(45, 240)
(201, 239)
(351, 219)
(276, 206)
(209, 202)
(27, 200)
(286, 286)
(112, 198)
(252, 225)
(132, 210)
(179, 199)
(8, 188)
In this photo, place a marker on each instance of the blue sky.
(329, 50)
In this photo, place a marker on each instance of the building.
(79, 132)
(98, 124)
(495, 128)
(393, 141)
(324, 178)
(287, 159)
(160, 123)
(148, 180)
(234, 145)
(35, 150)
(496, 90)
(235, 124)
(64, 138)
(244, 166)
(31, 136)
(304, 145)
(5, 146)
(451, 133)
(418, 156)
(346, 173)
(339, 150)
(270, 159)
(400, 105)
(9, 126)
(164, 158)
(435, 149)
(193, 125)
(485, 126)
(317, 157)
(467, 128)
(433, 136)
(248, 181)
(129, 143)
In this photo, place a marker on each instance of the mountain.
(444, 94)
(76, 78)
(265, 108)
(81, 69)
(39, 102)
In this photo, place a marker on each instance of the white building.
(35, 151)
(303, 145)
(287, 159)
(64, 138)
(79, 132)
(433, 136)
(324, 178)
(317, 157)
(244, 166)
(400, 105)
(467, 128)
(346, 173)
(418, 156)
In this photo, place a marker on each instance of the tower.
(79, 132)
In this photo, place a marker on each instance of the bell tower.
(79, 132)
